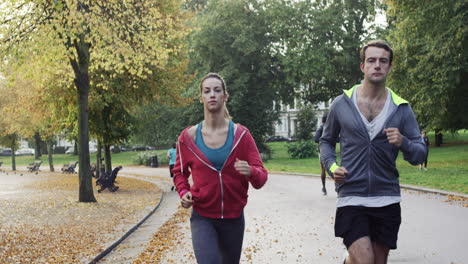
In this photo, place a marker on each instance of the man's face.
(376, 65)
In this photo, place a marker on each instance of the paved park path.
(290, 221)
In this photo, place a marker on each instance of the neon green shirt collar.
(395, 98)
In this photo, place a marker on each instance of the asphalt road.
(290, 221)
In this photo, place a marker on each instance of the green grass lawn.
(460, 137)
(447, 165)
(122, 158)
(447, 169)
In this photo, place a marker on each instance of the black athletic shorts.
(381, 224)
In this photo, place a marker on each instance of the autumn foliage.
(42, 222)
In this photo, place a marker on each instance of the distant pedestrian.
(317, 136)
(426, 142)
(222, 159)
(373, 124)
(171, 156)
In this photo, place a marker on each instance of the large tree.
(307, 122)
(234, 40)
(430, 41)
(31, 109)
(318, 43)
(122, 37)
(114, 101)
(159, 124)
(8, 135)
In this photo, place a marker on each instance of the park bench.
(107, 180)
(34, 167)
(70, 167)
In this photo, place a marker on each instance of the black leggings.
(170, 170)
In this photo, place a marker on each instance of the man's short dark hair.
(379, 44)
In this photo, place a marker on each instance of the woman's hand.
(242, 167)
(187, 200)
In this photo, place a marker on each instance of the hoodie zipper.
(357, 115)
(219, 172)
(221, 178)
(369, 164)
(222, 193)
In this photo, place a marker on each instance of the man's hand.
(339, 175)
(242, 167)
(393, 136)
(187, 200)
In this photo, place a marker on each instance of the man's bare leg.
(323, 177)
(361, 252)
(380, 253)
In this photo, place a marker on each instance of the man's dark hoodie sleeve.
(330, 134)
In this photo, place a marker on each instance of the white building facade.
(287, 123)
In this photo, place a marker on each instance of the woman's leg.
(172, 175)
(231, 236)
(205, 239)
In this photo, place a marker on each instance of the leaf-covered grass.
(42, 222)
(447, 165)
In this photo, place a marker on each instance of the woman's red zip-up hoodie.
(218, 194)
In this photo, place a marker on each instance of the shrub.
(302, 149)
(143, 158)
(162, 158)
(307, 122)
(59, 150)
(266, 154)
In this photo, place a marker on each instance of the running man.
(317, 136)
(373, 124)
(426, 143)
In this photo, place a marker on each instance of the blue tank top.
(216, 156)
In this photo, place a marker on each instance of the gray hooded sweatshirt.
(370, 163)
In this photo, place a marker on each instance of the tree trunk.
(37, 147)
(107, 154)
(50, 150)
(98, 159)
(81, 70)
(438, 138)
(13, 142)
(75, 147)
(13, 159)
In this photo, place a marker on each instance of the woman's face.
(212, 94)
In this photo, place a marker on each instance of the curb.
(404, 186)
(128, 233)
(430, 190)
